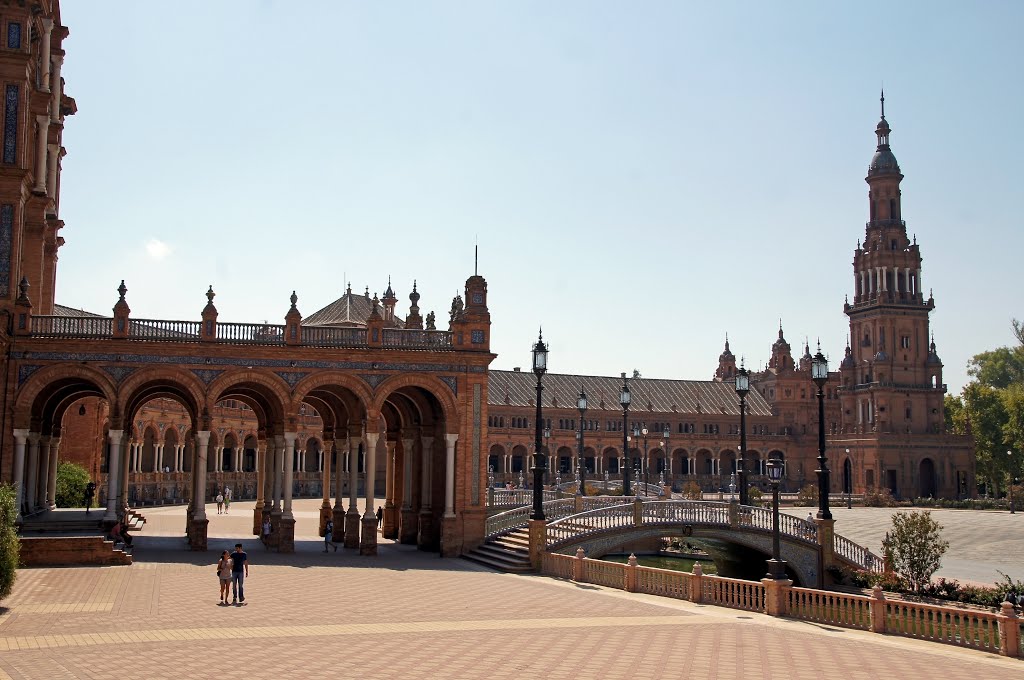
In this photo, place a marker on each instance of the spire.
(883, 103)
(780, 330)
(726, 342)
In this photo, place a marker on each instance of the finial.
(348, 290)
(414, 285)
(743, 361)
(727, 342)
(858, 244)
(294, 298)
(122, 290)
(540, 333)
(210, 295)
(23, 287)
(847, 298)
(476, 257)
(819, 345)
(915, 239)
(883, 103)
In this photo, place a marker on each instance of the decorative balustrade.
(963, 627)
(518, 518)
(519, 496)
(589, 522)
(559, 566)
(165, 330)
(839, 609)
(416, 339)
(71, 326)
(686, 512)
(250, 334)
(608, 574)
(323, 336)
(663, 582)
(857, 555)
(733, 593)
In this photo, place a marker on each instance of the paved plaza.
(407, 614)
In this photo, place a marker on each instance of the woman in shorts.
(224, 575)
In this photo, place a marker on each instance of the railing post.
(776, 596)
(538, 542)
(375, 325)
(826, 546)
(638, 512)
(208, 333)
(734, 514)
(877, 607)
(630, 580)
(1009, 631)
(577, 566)
(697, 584)
(121, 312)
(293, 323)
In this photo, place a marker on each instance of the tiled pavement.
(406, 614)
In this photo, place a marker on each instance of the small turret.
(726, 363)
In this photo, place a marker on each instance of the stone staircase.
(508, 552)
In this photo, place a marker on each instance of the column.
(113, 470)
(51, 169)
(425, 488)
(919, 289)
(449, 477)
(55, 88)
(158, 457)
(390, 528)
(885, 283)
(199, 473)
(43, 125)
(20, 438)
(325, 473)
(352, 522)
(239, 455)
(261, 475)
(33, 471)
(278, 461)
(51, 487)
(407, 528)
(122, 483)
(46, 26)
(44, 468)
(370, 463)
(289, 446)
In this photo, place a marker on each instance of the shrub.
(692, 492)
(9, 543)
(878, 498)
(808, 496)
(914, 547)
(757, 497)
(71, 481)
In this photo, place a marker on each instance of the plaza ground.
(409, 614)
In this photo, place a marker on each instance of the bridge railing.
(519, 496)
(983, 630)
(856, 555)
(589, 522)
(519, 518)
(789, 525)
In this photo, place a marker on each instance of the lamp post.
(776, 567)
(624, 399)
(848, 480)
(1010, 454)
(581, 466)
(645, 463)
(668, 454)
(540, 366)
(556, 464)
(742, 388)
(819, 374)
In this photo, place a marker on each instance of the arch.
(66, 379)
(266, 393)
(847, 475)
(165, 381)
(431, 384)
(323, 379)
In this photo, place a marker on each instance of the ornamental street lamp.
(848, 482)
(776, 567)
(547, 448)
(624, 398)
(819, 374)
(645, 463)
(540, 366)
(668, 454)
(742, 388)
(581, 466)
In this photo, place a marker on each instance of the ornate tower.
(892, 382)
(726, 364)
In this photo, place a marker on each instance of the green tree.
(984, 416)
(914, 547)
(9, 543)
(998, 368)
(71, 482)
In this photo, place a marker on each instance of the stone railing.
(554, 509)
(250, 334)
(416, 339)
(996, 632)
(72, 326)
(857, 555)
(164, 330)
(519, 496)
(323, 336)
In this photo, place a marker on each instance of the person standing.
(266, 533)
(227, 503)
(380, 516)
(239, 572)
(224, 566)
(220, 502)
(90, 491)
(329, 536)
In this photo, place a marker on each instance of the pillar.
(51, 169)
(278, 461)
(261, 460)
(113, 471)
(46, 27)
(33, 471)
(55, 88)
(407, 527)
(286, 525)
(197, 533)
(51, 488)
(449, 476)
(368, 539)
(352, 521)
(20, 438)
(425, 539)
(390, 529)
(43, 127)
(325, 482)
(43, 484)
(341, 448)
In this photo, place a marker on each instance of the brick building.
(364, 401)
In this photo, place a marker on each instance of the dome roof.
(848, 362)
(883, 163)
(881, 356)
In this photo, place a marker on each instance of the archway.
(847, 476)
(926, 474)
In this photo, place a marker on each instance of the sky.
(641, 178)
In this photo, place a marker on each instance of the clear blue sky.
(642, 177)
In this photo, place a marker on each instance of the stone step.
(499, 563)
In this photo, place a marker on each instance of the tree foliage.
(998, 368)
(10, 546)
(914, 547)
(71, 482)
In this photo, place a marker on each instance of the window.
(905, 341)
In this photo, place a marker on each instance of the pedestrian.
(224, 566)
(380, 516)
(329, 536)
(227, 503)
(220, 502)
(90, 491)
(239, 572)
(266, 533)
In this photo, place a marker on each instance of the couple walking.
(232, 570)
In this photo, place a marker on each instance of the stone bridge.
(738, 537)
